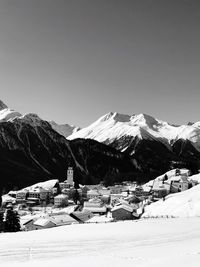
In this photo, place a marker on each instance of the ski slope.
(150, 242)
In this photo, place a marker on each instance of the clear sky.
(72, 61)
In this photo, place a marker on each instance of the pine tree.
(12, 223)
(1, 221)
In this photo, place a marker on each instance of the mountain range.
(114, 148)
(113, 127)
(32, 151)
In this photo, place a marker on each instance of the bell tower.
(70, 176)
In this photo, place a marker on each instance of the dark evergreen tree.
(1, 221)
(12, 223)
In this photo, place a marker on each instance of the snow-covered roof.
(48, 185)
(43, 221)
(61, 196)
(95, 209)
(122, 206)
(63, 219)
(100, 219)
(7, 198)
(93, 192)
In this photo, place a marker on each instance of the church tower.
(70, 176)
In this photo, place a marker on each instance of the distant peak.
(115, 116)
(121, 117)
(2, 105)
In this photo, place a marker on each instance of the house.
(63, 219)
(12, 193)
(64, 185)
(38, 194)
(6, 199)
(122, 212)
(28, 225)
(179, 183)
(61, 200)
(104, 192)
(95, 206)
(117, 198)
(44, 223)
(82, 216)
(21, 195)
(93, 194)
(117, 189)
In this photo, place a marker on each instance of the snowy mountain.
(7, 114)
(64, 129)
(32, 151)
(115, 127)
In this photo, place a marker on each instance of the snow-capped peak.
(114, 126)
(145, 120)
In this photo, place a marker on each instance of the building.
(179, 183)
(21, 195)
(64, 185)
(117, 189)
(61, 200)
(70, 176)
(93, 194)
(122, 212)
(63, 219)
(43, 223)
(95, 206)
(117, 198)
(82, 216)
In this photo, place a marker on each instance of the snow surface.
(47, 185)
(113, 126)
(143, 243)
(183, 204)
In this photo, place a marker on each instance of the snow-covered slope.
(48, 185)
(143, 243)
(7, 113)
(114, 126)
(183, 204)
(64, 129)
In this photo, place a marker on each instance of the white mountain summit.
(114, 126)
(7, 114)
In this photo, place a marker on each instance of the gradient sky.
(72, 61)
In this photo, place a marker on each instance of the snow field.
(150, 242)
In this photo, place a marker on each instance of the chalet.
(82, 216)
(122, 212)
(179, 183)
(117, 198)
(43, 223)
(27, 225)
(63, 219)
